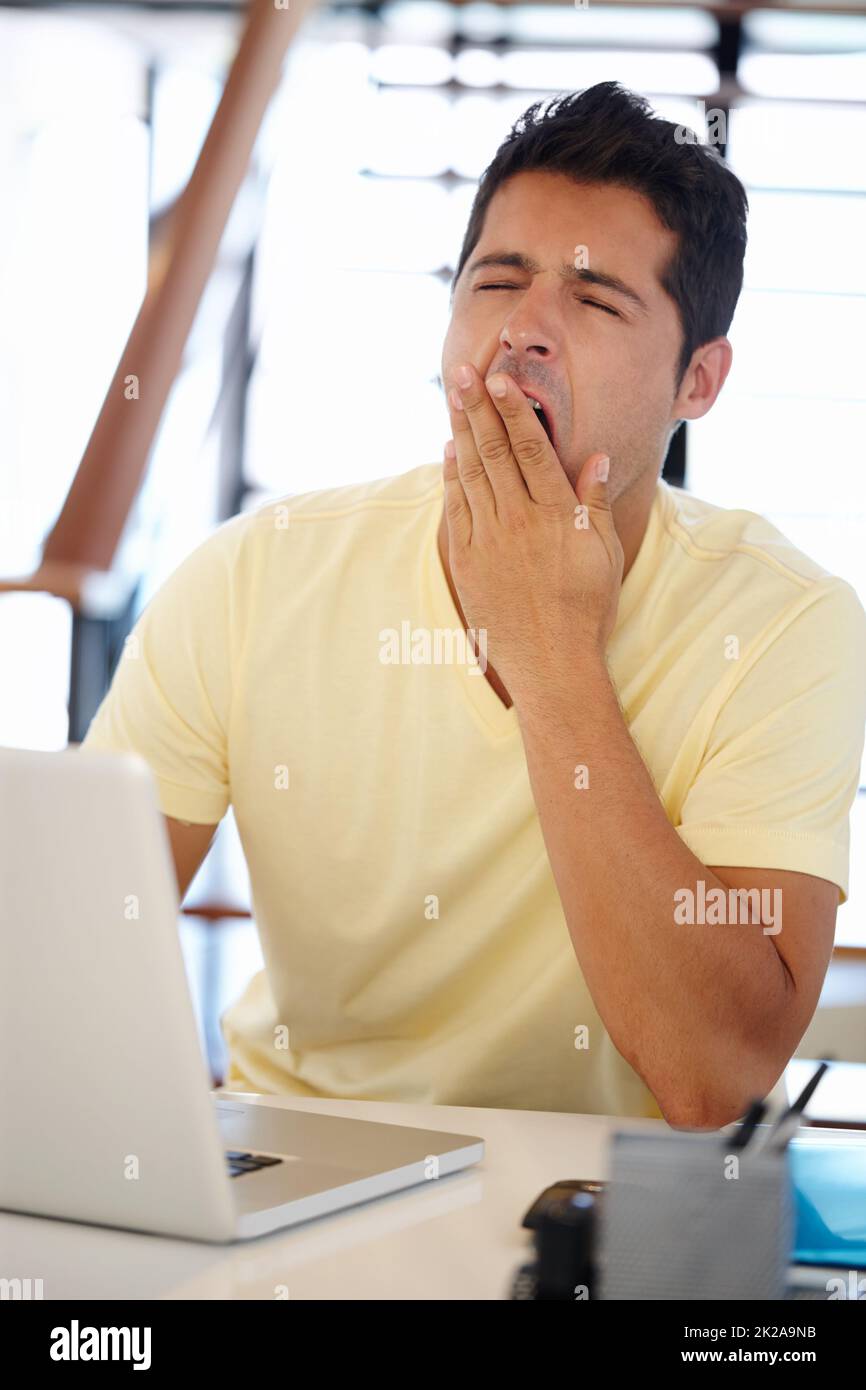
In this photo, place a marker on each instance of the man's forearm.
(684, 1004)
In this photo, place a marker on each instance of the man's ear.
(704, 378)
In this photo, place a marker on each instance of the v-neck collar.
(498, 721)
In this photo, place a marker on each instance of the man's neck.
(631, 514)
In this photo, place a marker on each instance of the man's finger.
(491, 438)
(593, 493)
(473, 474)
(542, 472)
(457, 514)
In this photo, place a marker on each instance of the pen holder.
(686, 1217)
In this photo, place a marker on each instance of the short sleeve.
(170, 695)
(782, 763)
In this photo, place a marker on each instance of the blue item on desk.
(829, 1179)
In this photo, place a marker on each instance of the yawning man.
(595, 865)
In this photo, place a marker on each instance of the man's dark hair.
(607, 134)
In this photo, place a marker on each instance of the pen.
(789, 1121)
(753, 1118)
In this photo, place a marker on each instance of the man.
(513, 880)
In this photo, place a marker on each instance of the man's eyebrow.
(516, 260)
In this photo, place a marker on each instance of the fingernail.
(454, 398)
(602, 468)
(450, 449)
(464, 376)
(496, 385)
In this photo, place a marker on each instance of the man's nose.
(527, 333)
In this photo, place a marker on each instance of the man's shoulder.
(403, 492)
(746, 572)
(716, 537)
(363, 519)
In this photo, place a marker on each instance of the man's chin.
(573, 460)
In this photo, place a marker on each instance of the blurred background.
(336, 258)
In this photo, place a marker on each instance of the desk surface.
(457, 1238)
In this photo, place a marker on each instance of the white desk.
(456, 1238)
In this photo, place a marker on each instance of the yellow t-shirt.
(414, 942)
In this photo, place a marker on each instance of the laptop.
(108, 1113)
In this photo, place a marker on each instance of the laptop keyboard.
(240, 1162)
